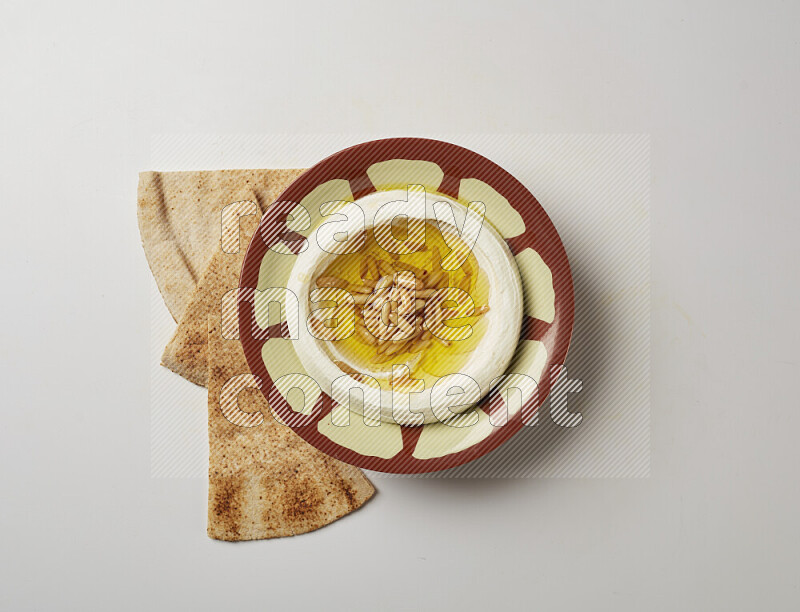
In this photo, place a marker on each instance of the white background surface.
(83, 526)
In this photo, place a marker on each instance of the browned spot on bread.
(349, 494)
(226, 507)
(301, 498)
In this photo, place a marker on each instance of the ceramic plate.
(464, 176)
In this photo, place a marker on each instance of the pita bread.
(179, 221)
(186, 352)
(265, 481)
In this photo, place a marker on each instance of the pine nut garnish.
(396, 305)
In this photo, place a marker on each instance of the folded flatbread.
(186, 352)
(179, 221)
(264, 481)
